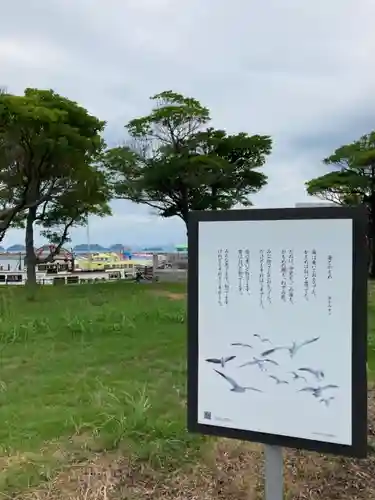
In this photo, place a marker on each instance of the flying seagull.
(317, 391)
(236, 387)
(318, 374)
(296, 376)
(262, 339)
(278, 381)
(326, 401)
(220, 361)
(293, 349)
(240, 344)
(260, 363)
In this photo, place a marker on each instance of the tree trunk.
(29, 244)
(184, 208)
(372, 259)
(372, 223)
(214, 203)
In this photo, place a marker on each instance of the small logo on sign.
(207, 415)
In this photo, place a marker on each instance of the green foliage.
(174, 118)
(50, 149)
(175, 165)
(72, 207)
(352, 182)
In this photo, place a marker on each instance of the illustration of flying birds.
(240, 344)
(326, 401)
(278, 381)
(318, 374)
(317, 391)
(220, 361)
(235, 386)
(262, 339)
(296, 376)
(293, 349)
(259, 362)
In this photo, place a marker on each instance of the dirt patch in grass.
(229, 470)
(96, 480)
(170, 295)
(235, 472)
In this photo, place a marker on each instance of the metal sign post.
(274, 472)
(274, 463)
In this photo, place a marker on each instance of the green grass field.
(94, 370)
(106, 362)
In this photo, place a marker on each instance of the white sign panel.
(275, 327)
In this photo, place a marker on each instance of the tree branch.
(41, 216)
(7, 215)
(57, 248)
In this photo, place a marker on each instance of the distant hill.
(117, 247)
(16, 248)
(153, 249)
(94, 247)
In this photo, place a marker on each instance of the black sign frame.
(360, 255)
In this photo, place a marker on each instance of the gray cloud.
(299, 71)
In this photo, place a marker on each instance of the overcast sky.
(300, 71)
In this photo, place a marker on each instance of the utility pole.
(88, 241)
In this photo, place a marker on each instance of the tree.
(10, 204)
(57, 216)
(352, 182)
(49, 169)
(175, 163)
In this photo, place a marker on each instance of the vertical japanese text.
(283, 275)
(329, 267)
(240, 271)
(247, 270)
(226, 276)
(269, 276)
(291, 276)
(329, 305)
(313, 272)
(306, 274)
(330, 277)
(261, 277)
(220, 276)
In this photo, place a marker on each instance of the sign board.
(277, 311)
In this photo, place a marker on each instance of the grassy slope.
(89, 368)
(91, 360)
